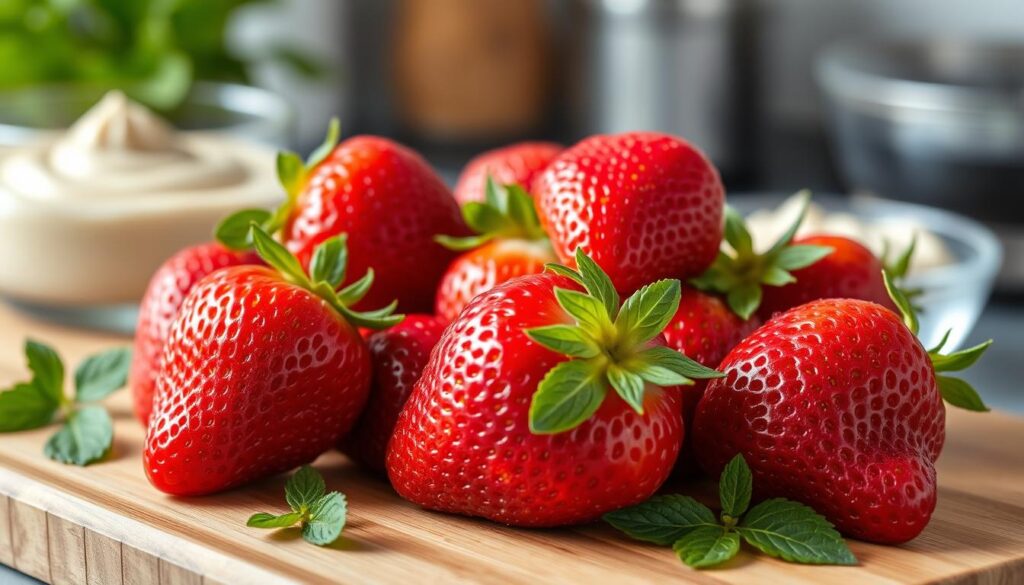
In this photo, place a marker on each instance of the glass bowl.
(953, 294)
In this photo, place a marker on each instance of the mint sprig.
(955, 391)
(777, 527)
(321, 515)
(326, 273)
(611, 347)
(739, 272)
(87, 433)
(507, 212)
(234, 231)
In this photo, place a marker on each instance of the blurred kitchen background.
(905, 99)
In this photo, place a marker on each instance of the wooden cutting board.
(105, 524)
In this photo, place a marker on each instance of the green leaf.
(961, 394)
(327, 146)
(598, 284)
(736, 233)
(168, 83)
(483, 218)
(587, 310)
(629, 386)
(523, 213)
(942, 343)
(795, 257)
(654, 360)
(662, 519)
(568, 395)
(902, 303)
(794, 532)
(744, 299)
(775, 276)
(326, 519)
(494, 195)
(47, 369)
(707, 546)
(85, 437)
(564, 271)
(101, 374)
(234, 231)
(787, 237)
(291, 172)
(899, 268)
(355, 292)
(264, 520)
(565, 339)
(647, 312)
(735, 487)
(458, 244)
(958, 360)
(376, 320)
(279, 257)
(304, 488)
(329, 261)
(25, 407)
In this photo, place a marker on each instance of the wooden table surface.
(105, 524)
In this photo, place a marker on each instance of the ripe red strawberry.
(164, 295)
(836, 404)
(263, 371)
(397, 355)
(518, 164)
(704, 329)
(513, 418)
(645, 206)
(509, 243)
(850, 271)
(391, 204)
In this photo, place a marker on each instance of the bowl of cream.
(87, 214)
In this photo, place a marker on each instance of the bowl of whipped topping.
(87, 213)
(953, 265)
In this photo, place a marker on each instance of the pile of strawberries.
(529, 392)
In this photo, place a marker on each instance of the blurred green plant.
(153, 49)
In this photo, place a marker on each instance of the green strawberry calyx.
(778, 527)
(326, 273)
(87, 432)
(507, 212)
(610, 346)
(739, 272)
(233, 231)
(955, 391)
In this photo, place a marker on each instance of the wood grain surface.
(105, 524)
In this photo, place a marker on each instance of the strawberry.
(385, 197)
(397, 356)
(741, 273)
(263, 371)
(645, 206)
(518, 164)
(836, 404)
(164, 295)
(850, 271)
(543, 405)
(509, 242)
(705, 330)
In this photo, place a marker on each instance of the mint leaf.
(277, 256)
(568, 395)
(234, 231)
(84, 438)
(662, 519)
(25, 407)
(794, 532)
(587, 310)
(565, 339)
(291, 172)
(707, 546)
(735, 487)
(101, 374)
(961, 394)
(326, 519)
(598, 283)
(264, 520)
(304, 488)
(629, 386)
(795, 257)
(329, 261)
(47, 369)
(647, 312)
